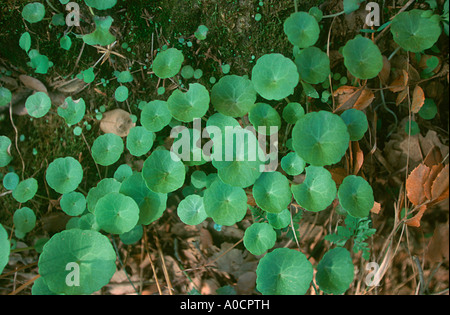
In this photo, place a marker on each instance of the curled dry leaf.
(385, 71)
(117, 121)
(418, 99)
(440, 187)
(400, 82)
(353, 97)
(415, 184)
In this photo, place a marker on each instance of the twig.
(16, 139)
(26, 284)
(151, 262)
(166, 274)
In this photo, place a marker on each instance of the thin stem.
(296, 5)
(333, 15)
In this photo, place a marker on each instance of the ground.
(173, 258)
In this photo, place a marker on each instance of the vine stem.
(333, 15)
(296, 5)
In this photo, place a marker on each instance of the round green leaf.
(101, 35)
(233, 96)
(101, 4)
(65, 42)
(198, 179)
(284, 271)
(272, 192)
(33, 12)
(428, 110)
(292, 112)
(192, 104)
(416, 30)
(259, 237)
(133, 236)
(274, 76)
(104, 187)
(72, 110)
(5, 155)
(320, 138)
(292, 164)
(191, 210)
(155, 115)
(335, 271)
(279, 220)
(5, 248)
(225, 204)
(139, 141)
(73, 203)
(123, 172)
(187, 72)
(356, 122)
(25, 190)
(11, 180)
(107, 149)
(317, 191)
(72, 255)
(313, 65)
(362, 58)
(5, 96)
(64, 174)
(168, 63)
(121, 93)
(38, 104)
(163, 171)
(356, 196)
(151, 204)
(201, 32)
(24, 219)
(40, 287)
(301, 29)
(116, 213)
(264, 115)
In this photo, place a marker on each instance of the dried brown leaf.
(400, 82)
(418, 99)
(440, 187)
(434, 172)
(385, 71)
(434, 157)
(415, 184)
(415, 221)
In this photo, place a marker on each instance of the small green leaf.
(335, 271)
(201, 32)
(64, 174)
(313, 65)
(121, 94)
(25, 42)
(428, 110)
(72, 110)
(191, 210)
(155, 115)
(362, 58)
(107, 149)
(5, 248)
(356, 196)
(264, 115)
(133, 236)
(279, 220)
(259, 237)
(38, 104)
(301, 29)
(101, 4)
(356, 122)
(293, 112)
(293, 164)
(139, 141)
(317, 191)
(168, 63)
(104, 187)
(192, 104)
(73, 203)
(65, 42)
(284, 271)
(24, 219)
(11, 180)
(272, 192)
(33, 12)
(101, 35)
(5, 153)
(25, 190)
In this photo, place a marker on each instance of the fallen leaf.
(400, 82)
(358, 157)
(440, 187)
(353, 97)
(364, 100)
(415, 184)
(415, 220)
(401, 97)
(434, 157)
(418, 99)
(434, 172)
(437, 249)
(376, 208)
(33, 83)
(385, 71)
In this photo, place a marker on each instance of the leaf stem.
(333, 15)
(296, 5)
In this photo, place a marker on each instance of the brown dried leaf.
(364, 100)
(434, 172)
(117, 121)
(438, 247)
(415, 221)
(358, 157)
(33, 83)
(385, 71)
(401, 96)
(346, 96)
(433, 157)
(440, 187)
(400, 82)
(415, 184)
(418, 99)
(376, 208)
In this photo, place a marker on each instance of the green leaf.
(264, 115)
(320, 138)
(168, 63)
(5, 153)
(116, 213)
(191, 210)
(73, 203)
(155, 115)
(356, 122)
(87, 75)
(274, 76)
(201, 32)
(72, 110)
(279, 220)
(133, 236)
(65, 42)
(301, 29)
(38, 104)
(24, 219)
(88, 252)
(25, 42)
(272, 192)
(5, 248)
(107, 149)
(124, 76)
(225, 204)
(293, 164)
(39, 62)
(192, 104)
(163, 171)
(335, 271)
(121, 93)
(123, 172)
(33, 12)
(187, 72)
(139, 141)
(5, 96)
(105, 186)
(428, 110)
(317, 191)
(362, 58)
(416, 30)
(101, 4)
(259, 237)
(101, 35)
(25, 190)
(11, 180)
(233, 96)
(292, 112)
(64, 174)
(151, 204)
(356, 196)
(351, 6)
(284, 271)
(313, 65)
